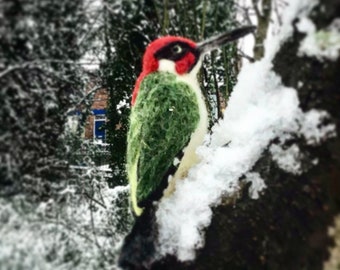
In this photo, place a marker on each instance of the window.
(99, 127)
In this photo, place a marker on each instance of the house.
(95, 122)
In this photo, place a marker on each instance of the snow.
(313, 128)
(260, 110)
(74, 235)
(257, 184)
(294, 10)
(306, 25)
(95, 54)
(123, 104)
(287, 159)
(243, 15)
(91, 59)
(72, 123)
(322, 44)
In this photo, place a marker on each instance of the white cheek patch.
(166, 65)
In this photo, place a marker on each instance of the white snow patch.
(260, 110)
(72, 123)
(257, 184)
(305, 25)
(44, 236)
(313, 128)
(294, 10)
(322, 44)
(122, 104)
(287, 159)
(105, 168)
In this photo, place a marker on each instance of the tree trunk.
(263, 20)
(287, 227)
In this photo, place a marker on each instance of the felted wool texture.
(162, 120)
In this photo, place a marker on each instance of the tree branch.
(94, 200)
(262, 26)
(80, 102)
(18, 66)
(256, 8)
(246, 56)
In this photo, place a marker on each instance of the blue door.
(99, 130)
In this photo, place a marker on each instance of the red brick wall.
(100, 99)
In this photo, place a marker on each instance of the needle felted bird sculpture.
(169, 118)
(168, 122)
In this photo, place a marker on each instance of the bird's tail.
(138, 250)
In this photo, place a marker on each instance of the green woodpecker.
(169, 118)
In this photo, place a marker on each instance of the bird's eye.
(176, 49)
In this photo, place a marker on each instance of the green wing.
(162, 120)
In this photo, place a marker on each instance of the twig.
(93, 228)
(217, 92)
(245, 13)
(248, 57)
(165, 25)
(204, 13)
(90, 29)
(36, 64)
(92, 91)
(15, 67)
(58, 222)
(109, 8)
(156, 11)
(278, 15)
(256, 8)
(94, 200)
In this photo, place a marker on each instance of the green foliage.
(220, 68)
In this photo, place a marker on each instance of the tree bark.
(263, 20)
(287, 227)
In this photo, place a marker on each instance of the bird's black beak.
(220, 40)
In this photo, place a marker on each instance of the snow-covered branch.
(88, 95)
(25, 65)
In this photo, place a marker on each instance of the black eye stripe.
(167, 52)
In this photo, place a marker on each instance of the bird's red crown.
(164, 48)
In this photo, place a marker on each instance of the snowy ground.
(260, 109)
(73, 231)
